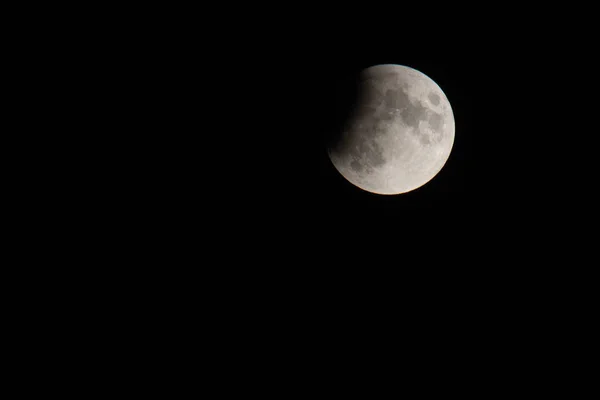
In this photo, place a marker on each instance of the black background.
(210, 199)
(265, 94)
(211, 129)
(244, 197)
(236, 116)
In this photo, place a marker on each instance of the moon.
(399, 135)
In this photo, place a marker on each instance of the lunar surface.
(400, 134)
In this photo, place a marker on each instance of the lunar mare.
(399, 136)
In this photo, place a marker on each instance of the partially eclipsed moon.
(400, 135)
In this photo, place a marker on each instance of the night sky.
(243, 161)
(232, 214)
(254, 109)
(310, 93)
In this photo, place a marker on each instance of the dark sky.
(213, 211)
(257, 98)
(228, 195)
(305, 91)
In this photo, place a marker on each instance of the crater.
(396, 98)
(367, 128)
(375, 156)
(387, 115)
(435, 121)
(356, 166)
(434, 99)
(372, 152)
(411, 113)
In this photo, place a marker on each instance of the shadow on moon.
(345, 101)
